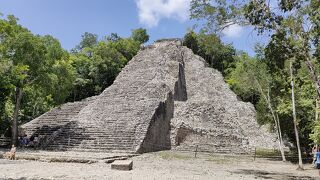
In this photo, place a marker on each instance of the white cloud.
(152, 11)
(233, 31)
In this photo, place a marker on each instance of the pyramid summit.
(164, 98)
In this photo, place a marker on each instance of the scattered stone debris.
(125, 165)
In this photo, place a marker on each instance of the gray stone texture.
(213, 118)
(165, 97)
(124, 165)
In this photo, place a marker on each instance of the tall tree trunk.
(316, 111)
(18, 98)
(276, 122)
(316, 117)
(281, 140)
(300, 167)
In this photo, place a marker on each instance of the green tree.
(88, 40)
(251, 80)
(113, 37)
(97, 66)
(126, 46)
(191, 41)
(26, 53)
(210, 48)
(296, 21)
(5, 91)
(30, 64)
(140, 35)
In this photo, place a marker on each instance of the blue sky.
(67, 20)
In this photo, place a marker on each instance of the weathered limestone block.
(125, 165)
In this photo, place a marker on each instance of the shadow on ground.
(24, 178)
(271, 175)
(4, 161)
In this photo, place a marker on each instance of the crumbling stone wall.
(158, 133)
(212, 117)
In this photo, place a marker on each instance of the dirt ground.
(161, 165)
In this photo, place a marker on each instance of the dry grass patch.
(174, 155)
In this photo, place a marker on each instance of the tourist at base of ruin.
(318, 160)
(314, 152)
(11, 154)
(21, 142)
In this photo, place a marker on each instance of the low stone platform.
(124, 165)
(68, 156)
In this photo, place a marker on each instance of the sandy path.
(161, 165)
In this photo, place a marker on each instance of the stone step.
(91, 145)
(96, 150)
(77, 138)
(120, 140)
(93, 148)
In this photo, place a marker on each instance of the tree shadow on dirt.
(6, 161)
(271, 175)
(24, 178)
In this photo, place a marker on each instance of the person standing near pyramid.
(11, 154)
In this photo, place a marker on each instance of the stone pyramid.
(164, 98)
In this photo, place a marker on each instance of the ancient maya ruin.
(165, 98)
